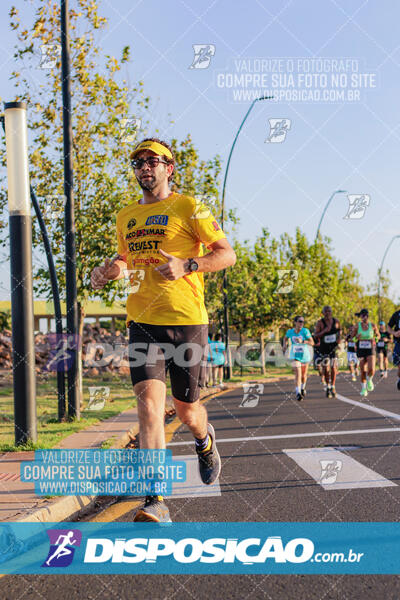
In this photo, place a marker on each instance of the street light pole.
(23, 345)
(326, 208)
(380, 274)
(228, 370)
(70, 245)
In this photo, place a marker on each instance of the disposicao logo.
(62, 546)
(191, 550)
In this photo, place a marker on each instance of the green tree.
(103, 101)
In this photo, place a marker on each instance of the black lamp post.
(23, 345)
(227, 369)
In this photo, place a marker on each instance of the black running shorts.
(179, 349)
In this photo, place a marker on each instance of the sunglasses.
(152, 161)
(300, 321)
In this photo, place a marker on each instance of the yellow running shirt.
(179, 225)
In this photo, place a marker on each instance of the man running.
(382, 349)
(366, 350)
(352, 359)
(160, 238)
(300, 339)
(218, 350)
(394, 330)
(318, 362)
(327, 330)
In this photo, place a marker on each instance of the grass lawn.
(50, 431)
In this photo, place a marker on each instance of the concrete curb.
(69, 507)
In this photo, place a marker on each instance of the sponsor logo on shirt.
(144, 245)
(142, 232)
(216, 226)
(131, 223)
(157, 220)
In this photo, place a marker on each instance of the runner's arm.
(338, 335)
(222, 256)
(319, 332)
(112, 270)
(394, 333)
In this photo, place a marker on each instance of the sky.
(333, 68)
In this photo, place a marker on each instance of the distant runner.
(318, 362)
(217, 350)
(382, 349)
(394, 330)
(327, 331)
(300, 353)
(366, 350)
(352, 359)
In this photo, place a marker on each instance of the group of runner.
(364, 341)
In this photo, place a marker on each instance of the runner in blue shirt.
(300, 353)
(217, 349)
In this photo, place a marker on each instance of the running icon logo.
(287, 277)
(251, 394)
(358, 204)
(49, 55)
(63, 543)
(202, 56)
(97, 397)
(201, 210)
(278, 129)
(330, 470)
(133, 279)
(129, 128)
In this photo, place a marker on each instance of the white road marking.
(193, 487)
(334, 470)
(292, 435)
(380, 411)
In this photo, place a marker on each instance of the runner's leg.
(151, 406)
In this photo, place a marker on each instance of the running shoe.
(154, 510)
(328, 392)
(382, 374)
(354, 378)
(299, 397)
(304, 392)
(209, 461)
(364, 392)
(370, 385)
(385, 374)
(333, 391)
(398, 384)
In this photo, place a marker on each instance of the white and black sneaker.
(154, 510)
(209, 460)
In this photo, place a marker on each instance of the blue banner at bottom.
(196, 548)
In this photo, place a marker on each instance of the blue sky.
(347, 144)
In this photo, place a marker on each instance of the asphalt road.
(262, 480)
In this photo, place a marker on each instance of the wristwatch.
(192, 265)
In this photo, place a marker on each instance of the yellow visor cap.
(154, 147)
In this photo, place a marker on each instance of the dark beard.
(148, 184)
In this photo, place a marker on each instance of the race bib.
(381, 344)
(329, 339)
(298, 350)
(365, 344)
